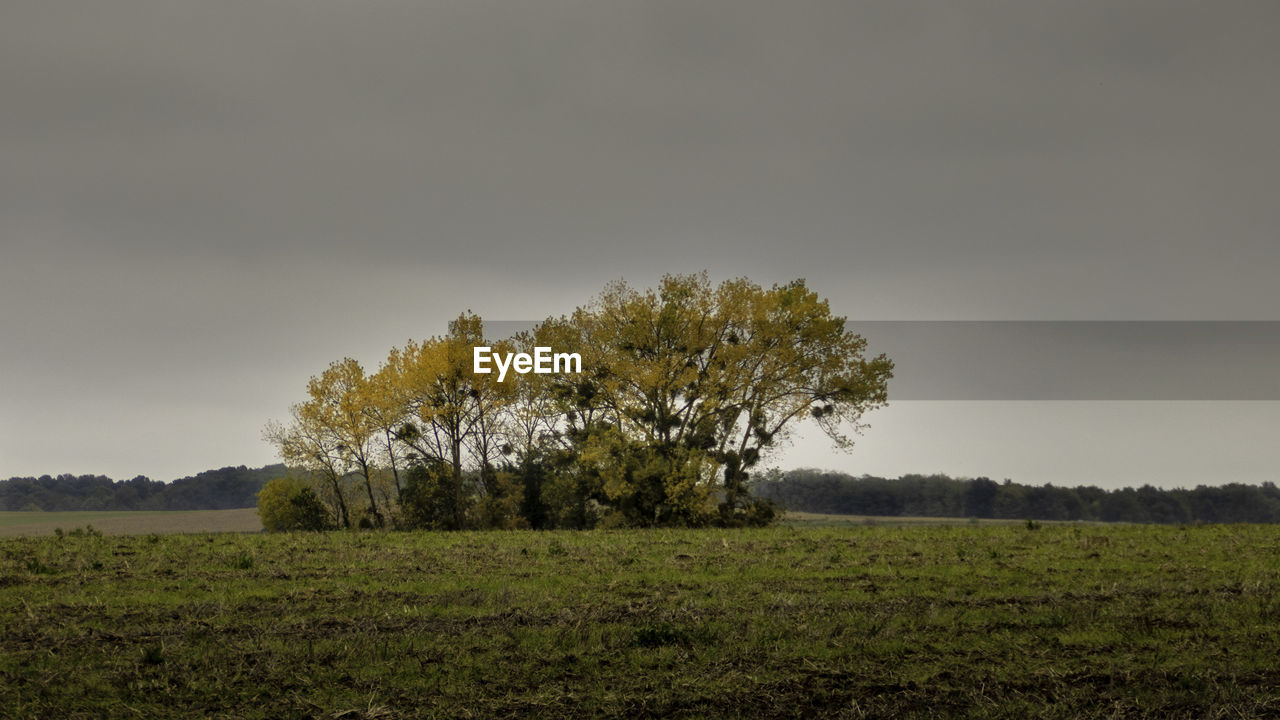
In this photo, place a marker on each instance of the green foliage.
(289, 503)
(571, 500)
(431, 496)
(650, 485)
(751, 512)
(499, 503)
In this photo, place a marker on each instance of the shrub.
(288, 503)
(432, 498)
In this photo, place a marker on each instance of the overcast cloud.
(202, 204)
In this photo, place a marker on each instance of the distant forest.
(805, 490)
(819, 491)
(224, 489)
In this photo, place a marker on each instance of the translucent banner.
(1066, 360)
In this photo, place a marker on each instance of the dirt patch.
(241, 520)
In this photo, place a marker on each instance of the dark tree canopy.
(819, 491)
(223, 489)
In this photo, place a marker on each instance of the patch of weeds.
(652, 635)
(36, 567)
(1057, 620)
(1032, 524)
(153, 654)
(557, 549)
(655, 635)
(243, 561)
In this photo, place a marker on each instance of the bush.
(287, 503)
(750, 512)
(431, 496)
(499, 505)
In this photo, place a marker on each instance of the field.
(126, 522)
(855, 621)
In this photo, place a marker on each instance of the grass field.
(857, 621)
(130, 522)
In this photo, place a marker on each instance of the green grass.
(858, 621)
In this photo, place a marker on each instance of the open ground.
(130, 522)
(855, 621)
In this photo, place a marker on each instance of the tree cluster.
(684, 389)
(817, 491)
(223, 489)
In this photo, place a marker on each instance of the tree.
(309, 446)
(788, 356)
(341, 402)
(386, 407)
(980, 497)
(1010, 501)
(429, 497)
(648, 485)
(450, 415)
(686, 389)
(335, 434)
(701, 375)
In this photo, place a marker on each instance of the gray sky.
(203, 204)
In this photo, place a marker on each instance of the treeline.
(682, 390)
(223, 489)
(818, 491)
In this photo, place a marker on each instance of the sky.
(204, 204)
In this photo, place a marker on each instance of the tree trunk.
(342, 503)
(395, 472)
(373, 504)
(458, 515)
